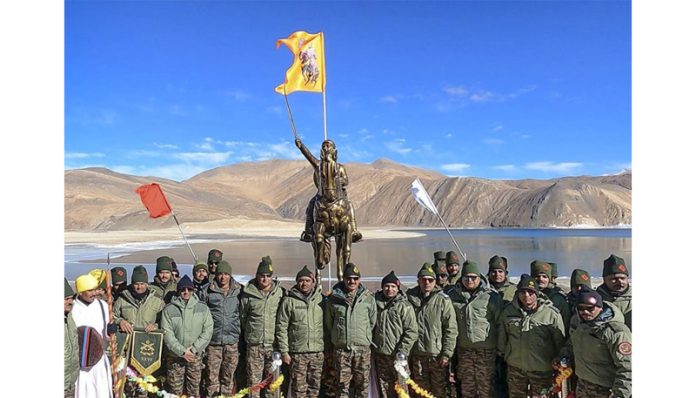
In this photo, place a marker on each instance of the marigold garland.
(416, 388)
(276, 384)
(400, 391)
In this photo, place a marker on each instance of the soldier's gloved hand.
(125, 326)
(286, 358)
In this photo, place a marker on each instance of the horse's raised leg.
(322, 254)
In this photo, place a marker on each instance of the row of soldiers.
(503, 339)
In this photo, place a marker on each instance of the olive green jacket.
(437, 322)
(601, 351)
(396, 329)
(258, 313)
(531, 341)
(507, 291)
(300, 326)
(71, 362)
(138, 313)
(560, 300)
(350, 323)
(165, 291)
(621, 300)
(477, 316)
(186, 324)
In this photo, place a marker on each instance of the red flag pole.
(182, 234)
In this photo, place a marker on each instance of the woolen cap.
(164, 263)
(496, 262)
(225, 267)
(451, 258)
(139, 274)
(470, 267)
(580, 277)
(540, 267)
(614, 265)
(391, 278)
(351, 270)
(265, 266)
(214, 255)
(441, 269)
(589, 297)
(200, 265)
(529, 283)
(554, 269)
(426, 270)
(85, 283)
(69, 292)
(118, 275)
(185, 281)
(304, 272)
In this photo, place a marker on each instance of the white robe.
(97, 382)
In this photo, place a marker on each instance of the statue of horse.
(331, 211)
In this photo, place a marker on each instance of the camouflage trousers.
(221, 362)
(258, 364)
(386, 375)
(184, 377)
(522, 383)
(475, 372)
(69, 392)
(428, 374)
(328, 377)
(305, 373)
(591, 390)
(352, 366)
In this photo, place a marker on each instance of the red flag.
(153, 198)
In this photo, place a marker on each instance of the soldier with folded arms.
(616, 288)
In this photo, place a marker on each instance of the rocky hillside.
(98, 199)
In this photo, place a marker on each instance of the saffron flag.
(308, 71)
(421, 195)
(153, 198)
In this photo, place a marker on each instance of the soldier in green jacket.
(396, 331)
(437, 333)
(259, 306)
(188, 327)
(541, 271)
(349, 316)
(530, 336)
(300, 334)
(600, 348)
(616, 288)
(119, 281)
(452, 262)
(163, 284)
(477, 308)
(214, 258)
(71, 360)
(498, 278)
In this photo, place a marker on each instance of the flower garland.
(399, 366)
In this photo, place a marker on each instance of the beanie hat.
(86, 282)
(225, 267)
(426, 270)
(589, 297)
(139, 275)
(351, 270)
(174, 267)
(496, 262)
(100, 276)
(69, 292)
(439, 255)
(529, 283)
(304, 272)
(185, 282)
(540, 267)
(554, 269)
(164, 263)
(214, 255)
(441, 269)
(391, 278)
(200, 265)
(118, 275)
(470, 267)
(614, 265)
(452, 258)
(265, 266)
(580, 277)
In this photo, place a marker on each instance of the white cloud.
(391, 99)
(455, 168)
(482, 96)
(398, 146)
(449, 135)
(165, 146)
(388, 132)
(237, 95)
(207, 144)
(493, 141)
(459, 91)
(497, 128)
(83, 155)
(205, 158)
(559, 168)
(506, 167)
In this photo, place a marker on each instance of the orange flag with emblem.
(308, 70)
(153, 198)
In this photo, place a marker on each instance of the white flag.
(421, 195)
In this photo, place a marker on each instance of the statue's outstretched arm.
(306, 152)
(342, 176)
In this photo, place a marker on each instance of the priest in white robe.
(94, 380)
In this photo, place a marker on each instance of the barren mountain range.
(98, 199)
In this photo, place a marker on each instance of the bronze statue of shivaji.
(329, 212)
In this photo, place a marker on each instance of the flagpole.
(450, 234)
(182, 234)
(323, 95)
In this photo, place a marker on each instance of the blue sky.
(501, 90)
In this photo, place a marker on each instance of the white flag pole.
(423, 198)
